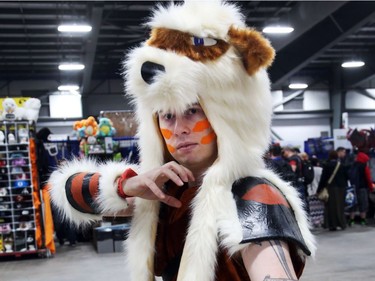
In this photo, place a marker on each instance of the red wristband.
(127, 174)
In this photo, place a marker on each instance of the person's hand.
(150, 185)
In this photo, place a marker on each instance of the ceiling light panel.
(351, 64)
(74, 28)
(278, 29)
(71, 66)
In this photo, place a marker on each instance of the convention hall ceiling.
(325, 34)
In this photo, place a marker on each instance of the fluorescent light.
(348, 64)
(68, 88)
(278, 29)
(298, 86)
(74, 28)
(71, 66)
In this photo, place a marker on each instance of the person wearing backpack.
(334, 177)
(360, 177)
(279, 165)
(295, 163)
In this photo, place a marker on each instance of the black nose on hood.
(149, 70)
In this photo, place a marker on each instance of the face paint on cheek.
(202, 125)
(171, 148)
(207, 139)
(167, 134)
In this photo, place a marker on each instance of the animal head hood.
(202, 52)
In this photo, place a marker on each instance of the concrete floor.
(342, 256)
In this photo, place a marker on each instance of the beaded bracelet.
(127, 174)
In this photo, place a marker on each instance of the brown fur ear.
(256, 51)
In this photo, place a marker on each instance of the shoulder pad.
(264, 213)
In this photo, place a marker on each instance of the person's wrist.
(127, 174)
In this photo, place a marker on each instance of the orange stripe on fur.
(201, 125)
(94, 185)
(255, 50)
(76, 189)
(180, 42)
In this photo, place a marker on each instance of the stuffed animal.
(106, 128)
(10, 110)
(88, 129)
(30, 110)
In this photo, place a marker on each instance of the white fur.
(239, 108)
(108, 200)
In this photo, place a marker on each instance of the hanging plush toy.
(87, 129)
(10, 110)
(106, 128)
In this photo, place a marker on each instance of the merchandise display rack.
(18, 212)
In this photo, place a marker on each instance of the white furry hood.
(202, 52)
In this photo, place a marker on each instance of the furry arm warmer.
(83, 190)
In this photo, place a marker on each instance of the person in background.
(295, 163)
(316, 206)
(360, 176)
(341, 153)
(279, 164)
(334, 215)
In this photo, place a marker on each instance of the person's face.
(189, 137)
(341, 154)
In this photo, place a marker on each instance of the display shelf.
(17, 211)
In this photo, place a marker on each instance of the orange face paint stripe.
(171, 149)
(201, 125)
(167, 134)
(208, 138)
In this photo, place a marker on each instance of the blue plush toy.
(106, 128)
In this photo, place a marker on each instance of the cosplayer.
(204, 206)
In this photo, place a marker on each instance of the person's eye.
(168, 116)
(192, 111)
(197, 41)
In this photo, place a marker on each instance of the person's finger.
(171, 201)
(184, 173)
(172, 175)
(167, 199)
(155, 189)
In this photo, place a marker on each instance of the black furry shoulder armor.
(264, 213)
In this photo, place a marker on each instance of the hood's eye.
(197, 41)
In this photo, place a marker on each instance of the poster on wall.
(339, 138)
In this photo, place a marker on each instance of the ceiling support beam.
(355, 77)
(303, 17)
(365, 93)
(307, 47)
(96, 20)
(288, 98)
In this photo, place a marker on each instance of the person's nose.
(181, 127)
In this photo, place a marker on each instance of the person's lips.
(186, 146)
